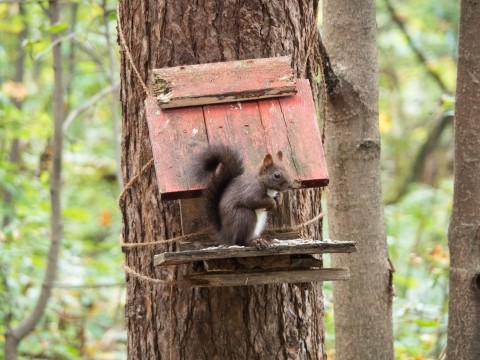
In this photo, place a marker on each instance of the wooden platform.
(283, 247)
(287, 261)
(216, 279)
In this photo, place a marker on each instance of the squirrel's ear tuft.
(280, 155)
(267, 162)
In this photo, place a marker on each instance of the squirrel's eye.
(276, 175)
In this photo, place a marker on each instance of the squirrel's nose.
(295, 184)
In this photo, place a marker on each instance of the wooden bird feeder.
(258, 107)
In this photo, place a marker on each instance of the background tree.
(363, 305)
(81, 315)
(464, 230)
(245, 322)
(84, 317)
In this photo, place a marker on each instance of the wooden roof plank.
(215, 279)
(239, 125)
(284, 247)
(304, 135)
(175, 135)
(276, 133)
(221, 82)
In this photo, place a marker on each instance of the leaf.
(15, 90)
(105, 218)
(10, 28)
(426, 323)
(385, 122)
(58, 27)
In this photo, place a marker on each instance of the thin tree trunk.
(15, 335)
(268, 322)
(362, 306)
(114, 106)
(14, 155)
(464, 231)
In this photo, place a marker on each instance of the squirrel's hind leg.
(239, 226)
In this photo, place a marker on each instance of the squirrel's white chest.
(262, 216)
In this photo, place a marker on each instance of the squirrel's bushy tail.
(216, 166)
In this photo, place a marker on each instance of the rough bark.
(268, 322)
(363, 325)
(464, 232)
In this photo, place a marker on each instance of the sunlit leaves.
(417, 228)
(77, 319)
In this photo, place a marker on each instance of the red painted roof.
(255, 127)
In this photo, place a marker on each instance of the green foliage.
(411, 104)
(84, 318)
(417, 228)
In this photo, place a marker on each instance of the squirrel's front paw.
(273, 204)
(278, 199)
(260, 243)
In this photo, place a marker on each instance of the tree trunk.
(464, 231)
(178, 322)
(362, 306)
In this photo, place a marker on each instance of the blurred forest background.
(417, 47)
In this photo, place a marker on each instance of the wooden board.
(255, 127)
(266, 277)
(229, 81)
(240, 125)
(275, 131)
(284, 247)
(304, 137)
(175, 136)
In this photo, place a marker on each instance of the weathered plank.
(229, 81)
(281, 235)
(175, 135)
(284, 247)
(240, 126)
(193, 221)
(266, 277)
(304, 136)
(275, 132)
(279, 262)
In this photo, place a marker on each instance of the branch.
(54, 43)
(89, 286)
(88, 104)
(71, 59)
(426, 149)
(92, 53)
(420, 56)
(14, 336)
(31, 1)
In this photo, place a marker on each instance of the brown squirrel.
(236, 203)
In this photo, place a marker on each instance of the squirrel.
(236, 202)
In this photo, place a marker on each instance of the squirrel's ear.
(267, 162)
(280, 155)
